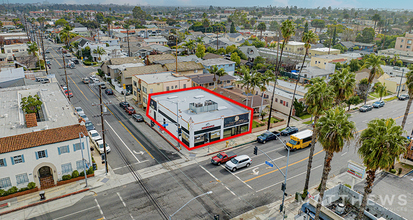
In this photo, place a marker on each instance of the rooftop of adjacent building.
(295, 43)
(184, 98)
(160, 77)
(324, 49)
(55, 112)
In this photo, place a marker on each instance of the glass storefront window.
(185, 136)
(215, 135)
(227, 132)
(198, 139)
(244, 128)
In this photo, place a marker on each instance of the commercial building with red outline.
(234, 122)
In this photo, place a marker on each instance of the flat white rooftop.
(56, 109)
(225, 108)
(160, 77)
(324, 49)
(295, 43)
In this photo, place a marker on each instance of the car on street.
(75, 61)
(222, 158)
(99, 144)
(79, 110)
(289, 131)
(86, 80)
(68, 55)
(130, 110)
(238, 162)
(124, 105)
(47, 51)
(103, 85)
(365, 108)
(95, 80)
(378, 104)
(82, 115)
(68, 93)
(138, 117)
(109, 91)
(94, 135)
(403, 97)
(268, 136)
(89, 126)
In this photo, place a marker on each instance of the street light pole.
(83, 159)
(170, 217)
(401, 78)
(103, 129)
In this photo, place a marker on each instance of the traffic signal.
(282, 186)
(255, 150)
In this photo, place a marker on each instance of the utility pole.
(176, 55)
(44, 54)
(217, 40)
(67, 82)
(103, 128)
(127, 34)
(275, 82)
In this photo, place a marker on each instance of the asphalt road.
(233, 192)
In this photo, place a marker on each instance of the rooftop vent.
(172, 97)
(199, 96)
(207, 106)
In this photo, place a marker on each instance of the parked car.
(79, 110)
(138, 117)
(222, 158)
(94, 135)
(238, 162)
(99, 144)
(76, 61)
(289, 131)
(365, 108)
(130, 110)
(47, 51)
(403, 97)
(103, 85)
(378, 104)
(86, 80)
(95, 80)
(124, 105)
(67, 55)
(68, 93)
(89, 126)
(268, 136)
(109, 91)
(82, 115)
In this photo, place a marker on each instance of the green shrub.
(75, 174)
(31, 185)
(89, 63)
(347, 185)
(100, 73)
(66, 177)
(23, 189)
(392, 171)
(12, 190)
(304, 195)
(400, 170)
(90, 170)
(82, 173)
(2, 192)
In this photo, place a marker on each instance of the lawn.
(273, 120)
(305, 116)
(390, 99)
(256, 124)
(308, 122)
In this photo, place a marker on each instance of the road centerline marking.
(122, 142)
(237, 177)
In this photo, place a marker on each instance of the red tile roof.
(39, 138)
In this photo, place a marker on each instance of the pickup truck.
(222, 158)
(268, 136)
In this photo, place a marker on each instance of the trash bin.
(42, 196)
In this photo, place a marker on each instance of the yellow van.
(300, 140)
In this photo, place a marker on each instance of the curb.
(41, 202)
(163, 137)
(229, 148)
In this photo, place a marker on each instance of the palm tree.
(381, 90)
(255, 82)
(287, 31)
(343, 84)
(205, 23)
(199, 40)
(190, 45)
(308, 38)
(409, 84)
(375, 18)
(108, 21)
(380, 143)
(221, 72)
(261, 27)
(374, 62)
(245, 80)
(32, 49)
(99, 51)
(265, 80)
(319, 98)
(334, 130)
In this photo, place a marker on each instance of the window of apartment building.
(315, 62)
(167, 88)
(144, 100)
(134, 93)
(22, 178)
(41, 154)
(5, 182)
(144, 89)
(286, 104)
(281, 101)
(276, 100)
(402, 40)
(401, 46)
(230, 65)
(3, 162)
(408, 47)
(17, 159)
(79, 165)
(135, 84)
(193, 84)
(77, 146)
(176, 86)
(409, 41)
(151, 91)
(184, 86)
(211, 84)
(325, 63)
(195, 71)
(67, 168)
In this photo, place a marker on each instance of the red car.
(130, 110)
(69, 93)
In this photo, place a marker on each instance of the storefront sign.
(154, 104)
(236, 120)
(355, 170)
(208, 126)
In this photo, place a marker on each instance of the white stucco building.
(204, 117)
(39, 148)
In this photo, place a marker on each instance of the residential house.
(405, 56)
(159, 41)
(185, 68)
(158, 82)
(322, 51)
(40, 147)
(365, 47)
(110, 52)
(250, 51)
(283, 100)
(295, 47)
(323, 60)
(153, 48)
(227, 65)
(128, 73)
(112, 67)
(235, 37)
(348, 44)
(405, 43)
(151, 59)
(223, 42)
(84, 42)
(110, 41)
(12, 49)
(207, 80)
(80, 38)
(79, 29)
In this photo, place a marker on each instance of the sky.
(376, 4)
